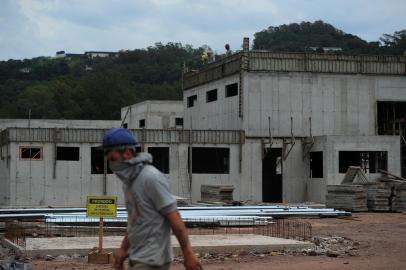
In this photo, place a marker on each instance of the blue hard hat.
(118, 137)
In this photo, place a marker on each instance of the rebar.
(18, 231)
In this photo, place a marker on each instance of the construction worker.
(228, 49)
(152, 210)
(208, 56)
(204, 57)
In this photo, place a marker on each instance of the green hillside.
(299, 37)
(84, 88)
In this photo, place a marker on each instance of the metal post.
(54, 161)
(125, 116)
(190, 158)
(29, 118)
(394, 119)
(244, 66)
(29, 134)
(101, 236)
(143, 140)
(240, 152)
(105, 175)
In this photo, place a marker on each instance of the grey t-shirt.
(148, 199)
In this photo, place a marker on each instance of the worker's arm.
(178, 227)
(122, 254)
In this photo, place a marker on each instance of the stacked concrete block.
(399, 200)
(216, 193)
(347, 197)
(378, 197)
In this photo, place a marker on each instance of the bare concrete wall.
(331, 145)
(4, 176)
(334, 144)
(251, 174)
(219, 114)
(338, 104)
(158, 114)
(295, 171)
(31, 182)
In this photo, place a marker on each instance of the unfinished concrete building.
(51, 162)
(60, 165)
(306, 117)
(279, 127)
(153, 114)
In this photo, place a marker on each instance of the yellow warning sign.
(101, 206)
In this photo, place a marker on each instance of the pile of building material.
(377, 197)
(390, 177)
(216, 193)
(350, 195)
(399, 200)
(347, 197)
(258, 214)
(181, 201)
(355, 175)
(396, 186)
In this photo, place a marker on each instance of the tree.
(395, 43)
(38, 99)
(300, 37)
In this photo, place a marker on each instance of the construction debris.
(216, 193)
(347, 197)
(8, 260)
(332, 246)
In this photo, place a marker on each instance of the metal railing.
(15, 232)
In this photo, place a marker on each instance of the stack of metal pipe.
(247, 215)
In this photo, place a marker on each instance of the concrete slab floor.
(229, 243)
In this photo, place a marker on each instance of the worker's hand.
(191, 262)
(119, 259)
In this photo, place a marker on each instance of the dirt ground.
(380, 239)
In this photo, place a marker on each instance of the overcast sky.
(30, 28)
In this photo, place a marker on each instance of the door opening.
(391, 116)
(272, 176)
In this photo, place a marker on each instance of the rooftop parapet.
(266, 61)
(327, 63)
(213, 71)
(79, 135)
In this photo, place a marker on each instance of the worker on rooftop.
(152, 210)
(208, 56)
